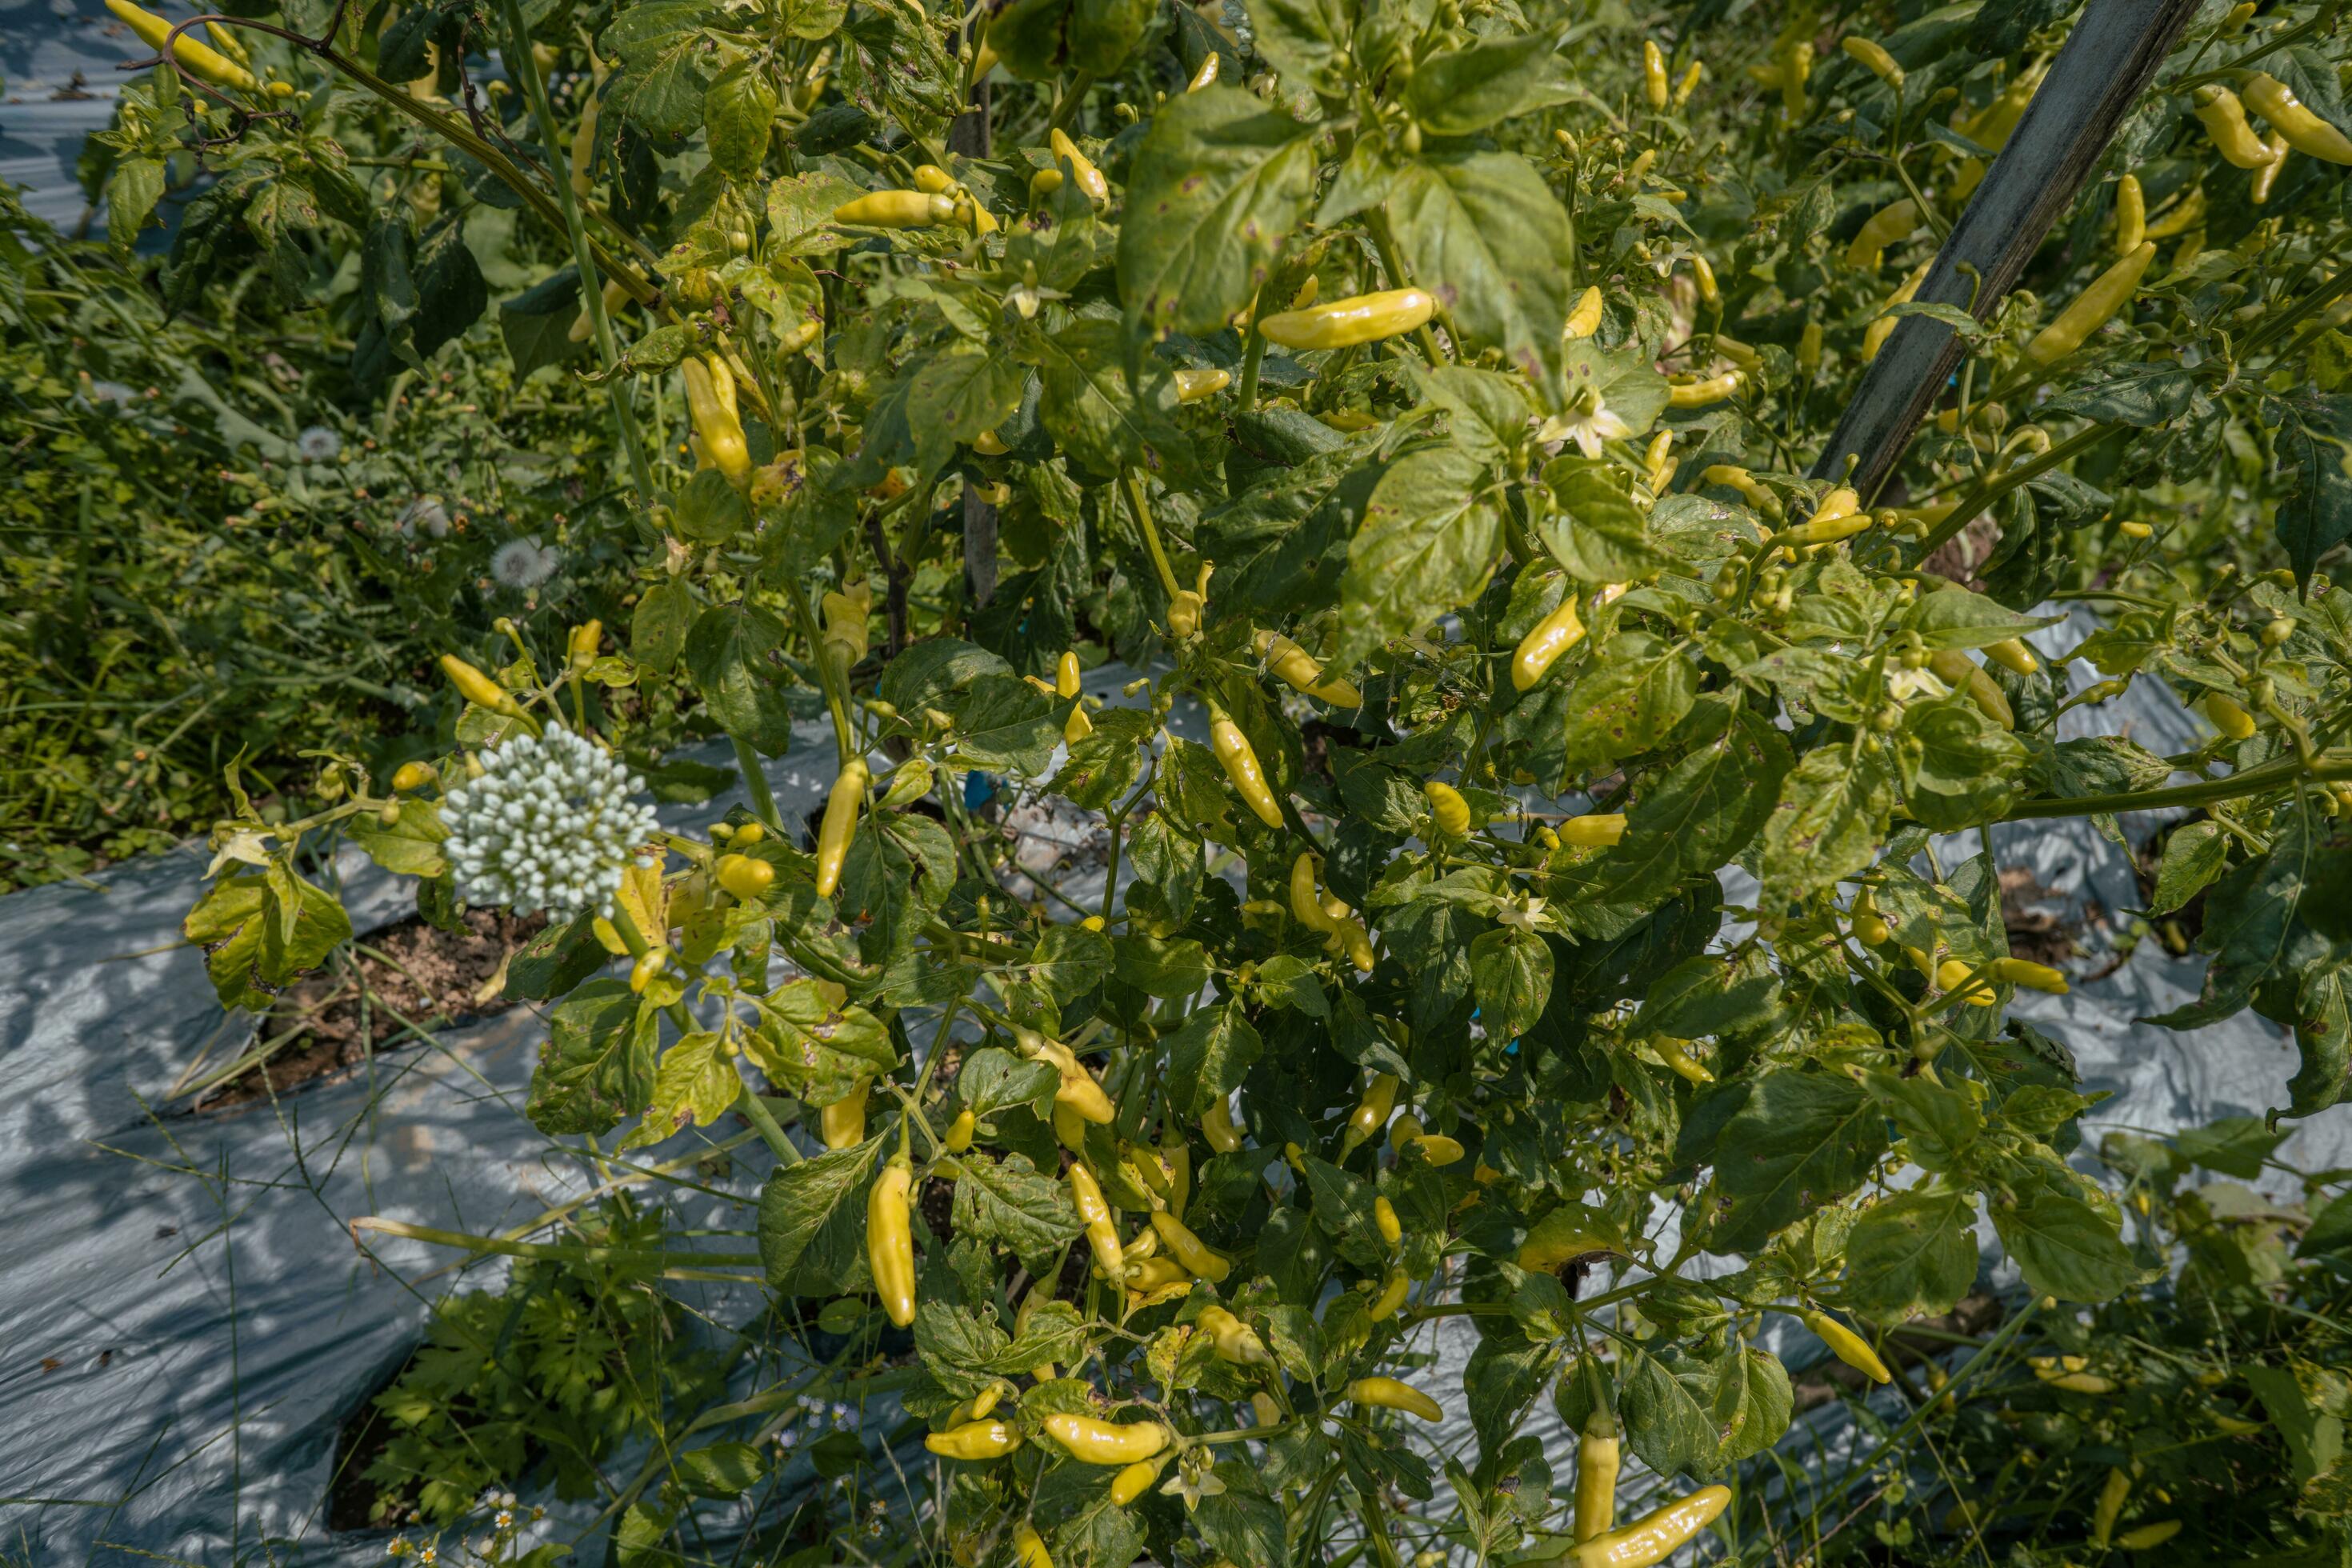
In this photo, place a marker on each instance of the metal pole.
(2107, 61)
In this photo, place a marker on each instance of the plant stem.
(591, 295)
(2253, 781)
(1150, 533)
(1252, 354)
(1991, 490)
(755, 782)
(673, 1265)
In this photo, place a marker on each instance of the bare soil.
(375, 994)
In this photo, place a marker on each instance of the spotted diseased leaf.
(1667, 1405)
(1628, 699)
(696, 1084)
(1783, 1146)
(597, 1065)
(1511, 971)
(1752, 1403)
(1218, 182)
(1483, 232)
(811, 1219)
(262, 927)
(1429, 539)
(1011, 1202)
(1831, 818)
(819, 1050)
(1912, 1255)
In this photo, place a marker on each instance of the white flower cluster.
(549, 825)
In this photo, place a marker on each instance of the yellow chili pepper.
(2091, 310)
(1437, 1149)
(1190, 1249)
(1232, 749)
(1541, 648)
(1384, 1217)
(1387, 1393)
(2131, 214)
(1392, 1295)
(1145, 1275)
(198, 56)
(1809, 349)
(932, 180)
(2112, 1494)
(1106, 1442)
(2235, 722)
(1135, 1479)
(1655, 1536)
(1028, 1546)
(2305, 132)
(1357, 942)
(895, 209)
(1654, 75)
(718, 428)
(1640, 165)
(2150, 1536)
(412, 776)
(1874, 336)
(2267, 176)
(1371, 1113)
(1110, 1259)
(1191, 386)
(1796, 70)
(1884, 227)
(1447, 808)
(1297, 667)
(1874, 58)
(745, 878)
(1217, 1127)
(1067, 674)
(2033, 976)
(1670, 1051)
(975, 1440)
(2181, 217)
(1732, 477)
(1584, 318)
(1233, 1339)
(477, 687)
(2011, 654)
(1090, 179)
(1207, 74)
(1689, 83)
(988, 445)
(1958, 671)
(645, 969)
(1849, 1347)
(843, 1121)
(1953, 972)
(1869, 927)
(1593, 830)
(840, 823)
(1306, 899)
(889, 1241)
(1597, 1456)
(958, 1135)
(1360, 318)
(2225, 119)
(616, 299)
(1079, 1093)
(1839, 516)
(1700, 393)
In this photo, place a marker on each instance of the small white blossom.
(317, 444)
(523, 563)
(1587, 426)
(426, 516)
(549, 825)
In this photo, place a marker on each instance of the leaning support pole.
(2108, 60)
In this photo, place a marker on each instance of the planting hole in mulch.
(374, 995)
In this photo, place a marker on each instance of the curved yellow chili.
(1653, 1537)
(1371, 1113)
(975, 1440)
(1882, 326)
(840, 824)
(2181, 217)
(1958, 671)
(1297, 667)
(1584, 319)
(2011, 654)
(1191, 386)
(958, 1136)
(1893, 222)
(2031, 975)
(889, 1241)
(843, 1123)
(2225, 119)
(1233, 1339)
(1387, 1393)
(1360, 318)
(1099, 1442)
(1874, 58)
(2131, 214)
(2151, 1535)
(1541, 648)
(198, 56)
(2305, 132)
(1870, 927)
(1839, 516)
(1953, 972)
(1654, 86)
(711, 404)
(1102, 1234)
(1079, 1093)
(745, 878)
(1090, 179)
(1593, 830)
(477, 687)
(895, 209)
(1135, 1479)
(1447, 808)
(2259, 188)
(1384, 1218)
(1849, 1347)
(1598, 1454)
(1029, 1547)
(1190, 1249)
(2235, 722)
(2092, 308)
(1232, 749)
(1207, 74)
(1699, 394)
(1392, 1295)
(2112, 1494)
(1670, 1051)
(1217, 1127)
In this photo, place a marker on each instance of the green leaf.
(1462, 92)
(1752, 1403)
(800, 1202)
(1712, 994)
(1173, 969)
(1502, 1378)
(696, 1083)
(1098, 416)
(408, 848)
(1037, 40)
(1511, 971)
(1964, 767)
(1596, 532)
(1241, 1524)
(1959, 619)
(1795, 1140)
(1694, 818)
(1667, 1405)
(2064, 1246)
(1218, 182)
(1209, 1056)
(727, 654)
(659, 45)
(1483, 233)
(1102, 768)
(2249, 930)
(925, 673)
(537, 324)
(2235, 1145)
(659, 625)
(2314, 441)
(821, 1051)
(709, 511)
(596, 1066)
(1428, 541)
(1003, 724)
(1008, 1200)
(555, 961)
(1830, 820)
(132, 190)
(1630, 699)
(721, 1470)
(1911, 1256)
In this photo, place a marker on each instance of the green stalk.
(591, 295)
(673, 1265)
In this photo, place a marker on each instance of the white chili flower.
(317, 444)
(549, 825)
(1588, 423)
(523, 563)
